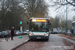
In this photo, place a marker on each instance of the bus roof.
(73, 22)
(39, 18)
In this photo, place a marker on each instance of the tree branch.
(70, 3)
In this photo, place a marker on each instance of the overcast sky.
(61, 10)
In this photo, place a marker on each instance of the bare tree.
(72, 2)
(14, 11)
(56, 22)
(10, 14)
(36, 8)
(52, 23)
(73, 18)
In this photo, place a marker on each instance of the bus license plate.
(38, 37)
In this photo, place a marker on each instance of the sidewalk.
(8, 45)
(67, 36)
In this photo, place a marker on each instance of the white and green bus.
(39, 28)
(73, 26)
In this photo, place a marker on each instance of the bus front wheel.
(47, 39)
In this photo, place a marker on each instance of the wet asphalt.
(55, 42)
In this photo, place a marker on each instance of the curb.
(68, 38)
(74, 38)
(19, 45)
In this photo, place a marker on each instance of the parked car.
(26, 32)
(55, 31)
(49, 31)
(69, 33)
(9, 32)
(21, 32)
(17, 32)
(64, 32)
(59, 31)
(0, 34)
(5, 33)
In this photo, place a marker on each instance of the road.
(55, 42)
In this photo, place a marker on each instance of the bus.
(39, 28)
(73, 26)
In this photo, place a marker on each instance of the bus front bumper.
(38, 37)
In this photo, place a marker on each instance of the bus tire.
(47, 39)
(31, 39)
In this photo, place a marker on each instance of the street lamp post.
(66, 18)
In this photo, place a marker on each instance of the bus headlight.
(30, 34)
(46, 34)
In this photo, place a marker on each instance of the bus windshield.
(38, 26)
